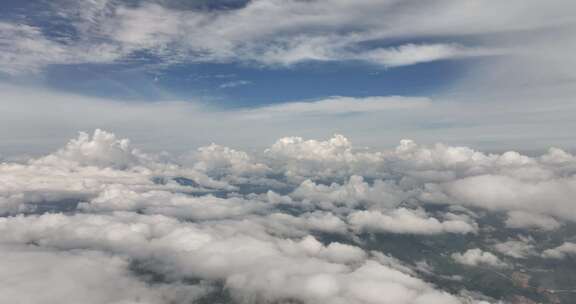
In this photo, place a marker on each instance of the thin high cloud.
(338, 105)
(295, 32)
(377, 121)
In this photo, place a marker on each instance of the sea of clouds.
(99, 221)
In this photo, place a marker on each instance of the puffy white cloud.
(33, 275)
(84, 168)
(333, 158)
(521, 219)
(335, 252)
(218, 160)
(101, 150)
(179, 205)
(234, 240)
(406, 221)
(354, 193)
(477, 257)
(253, 267)
(303, 223)
(91, 166)
(560, 252)
(498, 192)
(337, 148)
(439, 157)
(228, 226)
(519, 249)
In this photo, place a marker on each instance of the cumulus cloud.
(477, 257)
(560, 252)
(520, 219)
(257, 266)
(500, 192)
(36, 275)
(406, 221)
(221, 220)
(353, 193)
(221, 161)
(238, 222)
(85, 167)
(286, 224)
(133, 206)
(437, 174)
(329, 159)
(519, 249)
(100, 150)
(123, 198)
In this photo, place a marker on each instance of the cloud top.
(221, 221)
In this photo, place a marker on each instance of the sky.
(287, 151)
(174, 75)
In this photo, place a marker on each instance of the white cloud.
(100, 150)
(499, 192)
(281, 33)
(339, 105)
(24, 50)
(520, 219)
(331, 158)
(253, 265)
(406, 221)
(302, 224)
(234, 84)
(133, 209)
(320, 174)
(228, 226)
(165, 125)
(519, 249)
(526, 89)
(32, 275)
(218, 160)
(148, 26)
(87, 166)
(560, 252)
(29, 52)
(477, 257)
(207, 207)
(356, 192)
(408, 54)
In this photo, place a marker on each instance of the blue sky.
(233, 85)
(496, 75)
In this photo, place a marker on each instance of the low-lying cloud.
(288, 224)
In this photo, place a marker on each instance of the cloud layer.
(226, 223)
(295, 31)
